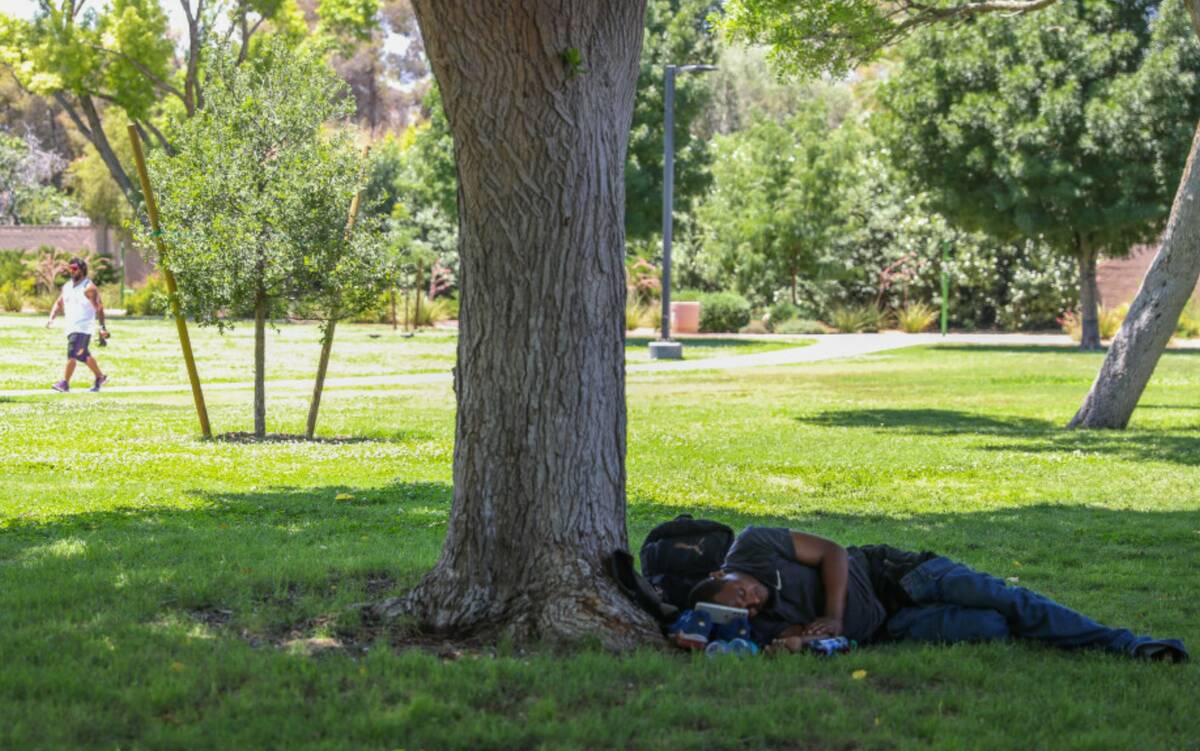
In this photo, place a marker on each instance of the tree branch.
(73, 114)
(98, 139)
(158, 136)
(929, 15)
(141, 68)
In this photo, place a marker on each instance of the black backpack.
(678, 554)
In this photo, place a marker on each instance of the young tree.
(256, 186)
(539, 97)
(776, 200)
(1023, 128)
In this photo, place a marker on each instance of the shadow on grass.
(931, 422)
(1062, 349)
(1178, 446)
(206, 613)
(400, 436)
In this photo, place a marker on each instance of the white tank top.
(78, 311)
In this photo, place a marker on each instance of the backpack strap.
(634, 585)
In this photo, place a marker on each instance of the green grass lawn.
(146, 352)
(150, 582)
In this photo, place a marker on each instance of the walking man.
(81, 306)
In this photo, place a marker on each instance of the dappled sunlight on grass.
(189, 593)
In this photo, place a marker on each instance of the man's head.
(77, 268)
(732, 589)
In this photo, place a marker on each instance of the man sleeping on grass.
(799, 587)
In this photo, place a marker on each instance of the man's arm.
(834, 564)
(93, 294)
(57, 306)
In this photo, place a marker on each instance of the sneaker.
(103, 379)
(692, 630)
(62, 387)
(1165, 650)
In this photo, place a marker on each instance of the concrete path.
(836, 346)
(827, 347)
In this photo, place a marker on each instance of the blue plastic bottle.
(832, 645)
(735, 647)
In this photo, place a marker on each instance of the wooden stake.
(327, 343)
(180, 322)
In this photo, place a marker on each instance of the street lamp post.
(664, 348)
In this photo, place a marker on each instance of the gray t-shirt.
(797, 592)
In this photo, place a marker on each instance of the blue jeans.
(955, 603)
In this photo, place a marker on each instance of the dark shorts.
(77, 347)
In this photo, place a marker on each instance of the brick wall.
(97, 238)
(1120, 278)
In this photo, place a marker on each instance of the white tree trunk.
(1154, 313)
(539, 456)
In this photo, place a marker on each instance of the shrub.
(652, 316)
(12, 299)
(1110, 320)
(13, 269)
(754, 327)
(148, 300)
(431, 312)
(780, 312)
(1189, 321)
(850, 319)
(723, 312)
(916, 317)
(633, 316)
(801, 326)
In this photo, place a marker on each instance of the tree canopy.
(1035, 126)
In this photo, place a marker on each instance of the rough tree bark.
(260, 364)
(539, 95)
(1154, 313)
(1089, 294)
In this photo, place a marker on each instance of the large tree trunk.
(1089, 295)
(1154, 313)
(539, 456)
(260, 364)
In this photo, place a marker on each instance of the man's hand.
(49, 323)
(785, 644)
(824, 626)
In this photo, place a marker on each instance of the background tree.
(253, 187)
(27, 193)
(676, 33)
(804, 39)
(86, 58)
(1167, 78)
(776, 199)
(1020, 128)
(539, 459)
